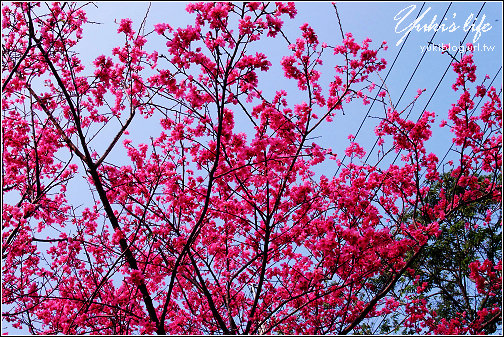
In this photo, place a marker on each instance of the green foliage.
(465, 237)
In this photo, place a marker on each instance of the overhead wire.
(471, 114)
(383, 84)
(404, 90)
(411, 78)
(441, 80)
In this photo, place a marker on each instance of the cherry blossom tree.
(215, 226)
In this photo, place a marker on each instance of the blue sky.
(379, 21)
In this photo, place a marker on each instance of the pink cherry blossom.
(210, 225)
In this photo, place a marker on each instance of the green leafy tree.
(470, 232)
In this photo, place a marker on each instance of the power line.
(405, 88)
(437, 86)
(439, 83)
(411, 78)
(471, 114)
(382, 85)
(442, 77)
